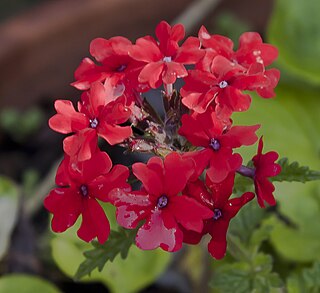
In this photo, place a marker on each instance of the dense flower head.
(185, 190)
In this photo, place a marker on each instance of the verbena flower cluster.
(186, 188)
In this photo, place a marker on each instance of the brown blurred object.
(41, 48)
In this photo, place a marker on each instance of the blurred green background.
(273, 250)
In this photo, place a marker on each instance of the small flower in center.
(84, 190)
(162, 201)
(222, 84)
(121, 68)
(214, 144)
(217, 214)
(167, 59)
(94, 123)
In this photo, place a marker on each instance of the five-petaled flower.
(216, 196)
(160, 203)
(165, 60)
(218, 141)
(80, 186)
(100, 114)
(265, 167)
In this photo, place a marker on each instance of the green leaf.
(118, 242)
(8, 212)
(243, 277)
(294, 172)
(25, 284)
(242, 184)
(247, 220)
(306, 281)
(295, 30)
(290, 126)
(140, 268)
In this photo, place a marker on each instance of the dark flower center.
(217, 214)
(214, 144)
(94, 123)
(162, 201)
(84, 190)
(121, 68)
(222, 84)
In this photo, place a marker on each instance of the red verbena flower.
(80, 186)
(160, 203)
(165, 60)
(218, 141)
(99, 114)
(115, 64)
(251, 48)
(216, 196)
(251, 51)
(265, 167)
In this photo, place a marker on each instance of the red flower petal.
(238, 136)
(66, 206)
(85, 171)
(189, 213)
(81, 145)
(100, 49)
(114, 134)
(132, 207)
(172, 71)
(151, 180)
(67, 120)
(116, 178)
(146, 50)
(151, 74)
(94, 222)
(177, 172)
(160, 230)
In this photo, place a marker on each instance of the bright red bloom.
(216, 197)
(165, 60)
(221, 82)
(99, 114)
(251, 51)
(265, 167)
(251, 48)
(218, 141)
(81, 184)
(160, 204)
(115, 65)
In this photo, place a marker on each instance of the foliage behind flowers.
(197, 181)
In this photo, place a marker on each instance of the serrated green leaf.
(290, 126)
(308, 280)
(140, 268)
(247, 220)
(295, 172)
(118, 242)
(242, 277)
